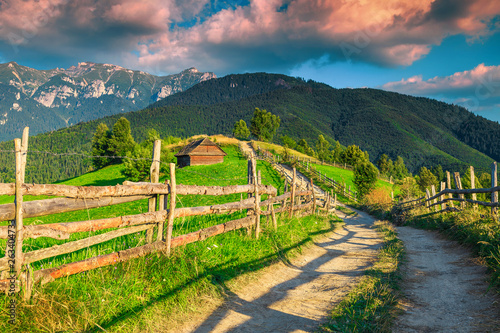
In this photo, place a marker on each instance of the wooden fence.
(446, 196)
(338, 187)
(16, 273)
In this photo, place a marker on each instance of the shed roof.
(202, 147)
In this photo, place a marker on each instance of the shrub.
(378, 198)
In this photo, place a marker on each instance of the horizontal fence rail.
(446, 196)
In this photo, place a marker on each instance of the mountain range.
(46, 100)
(425, 132)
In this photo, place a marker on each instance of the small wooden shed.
(200, 152)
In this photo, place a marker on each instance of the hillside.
(46, 100)
(424, 132)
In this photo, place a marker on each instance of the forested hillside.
(423, 131)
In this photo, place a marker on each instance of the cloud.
(478, 89)
(274, 34)
(262, 35)
(482, 81)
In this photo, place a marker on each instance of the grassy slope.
(347, 176)
(135, 295)
(338, 174)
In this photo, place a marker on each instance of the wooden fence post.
(273, 216)
(494, 183)
(292, 199)
(18, 222)
(27, 279)
(162, 205)
(441, 197)
(473, 185)
(249, 175)
(448, 182)
(458, 185)
(328, 199)
(155, 178)
(257, 201)
(171, 211)
(433, 191)
(313, 197)
(427, 196)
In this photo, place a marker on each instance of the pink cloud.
(482, 80)
(149, 14)
(264, 33)
(389, 32)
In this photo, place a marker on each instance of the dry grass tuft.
(378, 198)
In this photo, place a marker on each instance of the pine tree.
(100, 146)
(264, 124)
(365, 177)
(323, 148)
(121, 140)
(241, 130)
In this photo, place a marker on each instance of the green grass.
(136, 295)
(371, 306)
(347, 176)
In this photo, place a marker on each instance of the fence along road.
(86, 197)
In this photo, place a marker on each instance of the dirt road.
(298, 297)
(445, 290)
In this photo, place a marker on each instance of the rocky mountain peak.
(50, 99)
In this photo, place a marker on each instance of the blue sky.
(443, 49)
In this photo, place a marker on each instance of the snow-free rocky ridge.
(46, 100)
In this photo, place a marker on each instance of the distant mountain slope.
(423, 131)
(46, 100)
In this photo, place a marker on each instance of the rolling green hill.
(423, 131)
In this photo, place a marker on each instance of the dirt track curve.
(298, 297)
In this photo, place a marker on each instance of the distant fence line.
(445, 197)
(338, 187)
(159, 218)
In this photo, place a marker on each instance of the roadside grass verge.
(478, 229)
(372, 305)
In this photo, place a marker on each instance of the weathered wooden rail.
(15, 269)
(445, 197)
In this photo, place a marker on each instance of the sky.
(443, 49)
